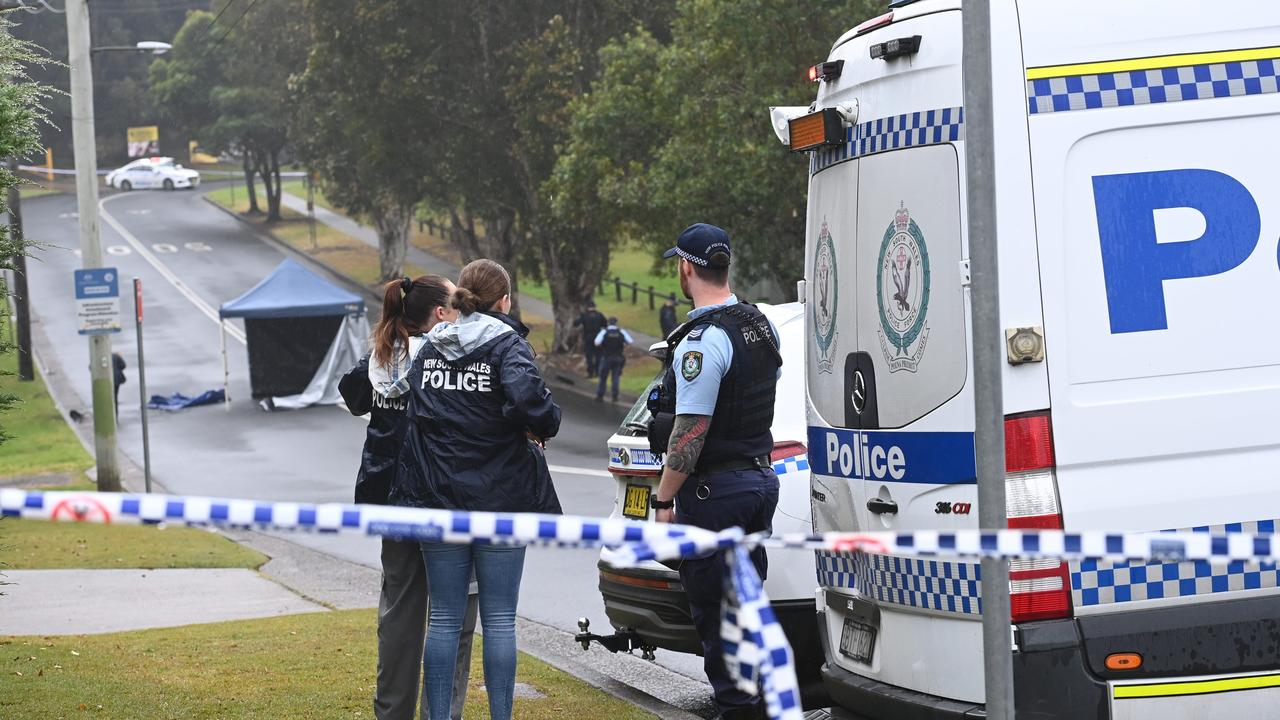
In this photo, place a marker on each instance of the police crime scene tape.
(757, 654)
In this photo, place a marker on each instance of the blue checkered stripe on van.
(926, 127)
(950, 587)
(1095, 582)
(1147, 87)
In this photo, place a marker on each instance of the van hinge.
(801, 291)
(965, 278)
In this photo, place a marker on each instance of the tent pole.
(226, 370)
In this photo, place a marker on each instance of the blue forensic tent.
(302, 331)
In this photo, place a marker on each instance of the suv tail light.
(1038, 589)
(786, 449)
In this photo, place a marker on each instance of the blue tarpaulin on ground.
(178, 401)
(292, 291)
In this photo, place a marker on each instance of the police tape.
(756, 647)
(756, 650)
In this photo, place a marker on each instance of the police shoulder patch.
(691, 364)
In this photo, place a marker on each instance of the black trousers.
(738, 498)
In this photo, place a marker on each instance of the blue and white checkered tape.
(792, 464)
(1147, 87)
(913, 129)
(757, 648)
(761, 638)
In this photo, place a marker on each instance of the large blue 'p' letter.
(1135, 264)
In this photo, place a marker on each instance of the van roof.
(915, 8)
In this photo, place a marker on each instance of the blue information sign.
(98, 301)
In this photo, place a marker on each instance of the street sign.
(97, 301)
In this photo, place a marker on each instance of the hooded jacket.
(383, 438)
(475, 393)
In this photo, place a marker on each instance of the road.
(191, 258)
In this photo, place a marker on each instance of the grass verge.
(38, 544)
(39, 440)
(318, 665)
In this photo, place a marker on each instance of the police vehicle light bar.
(816, 130)
(829, 70)
(896, 48)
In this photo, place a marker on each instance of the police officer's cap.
(699, 243)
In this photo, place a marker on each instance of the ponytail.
(406, 310)
(481, 284)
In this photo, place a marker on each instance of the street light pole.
(85, 146)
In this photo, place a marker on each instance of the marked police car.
(646, 604)
(1138, 211)
(153, 172)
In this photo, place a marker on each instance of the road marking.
(68, 216)
(204, 307)
(197, 247)
(164, 248)
(143, 211)
(570, 470)
(118, 250)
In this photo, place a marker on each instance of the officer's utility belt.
(758, 463)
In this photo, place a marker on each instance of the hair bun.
(465, 301)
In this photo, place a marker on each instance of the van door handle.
(882, 507)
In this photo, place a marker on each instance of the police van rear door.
(895, 397)
(1158, 207)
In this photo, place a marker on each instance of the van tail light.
(1039, 589)
(786, 449)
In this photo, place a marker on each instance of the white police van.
(646, 605)
(1138, 200)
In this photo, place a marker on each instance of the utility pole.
(85, 145)
(22, 308)
(988, 351)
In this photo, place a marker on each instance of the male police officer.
(716, 407)
(611, 343)
(591, 321)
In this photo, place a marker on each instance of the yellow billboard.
(144, 141)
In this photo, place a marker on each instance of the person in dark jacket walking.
(117, 376)
(591, 321)
(667, 316)
(479, 416)
(612, 341)
(409, 309)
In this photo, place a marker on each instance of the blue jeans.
(497, 571)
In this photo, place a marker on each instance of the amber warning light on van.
(816, 130)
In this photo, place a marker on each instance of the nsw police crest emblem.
(825, 300)
(902, 293)
(691, 364)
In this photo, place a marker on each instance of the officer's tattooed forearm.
(687, 438)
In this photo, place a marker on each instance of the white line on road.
(165, 272)
(569, 469)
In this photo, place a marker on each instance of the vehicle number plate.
(858, 640)
(636, 502)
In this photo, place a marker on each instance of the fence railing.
(634, 291)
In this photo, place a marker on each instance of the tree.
(705, 151)
(359, 119)
(231, 85)
(22, 112)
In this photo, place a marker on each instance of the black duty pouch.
(660, 427)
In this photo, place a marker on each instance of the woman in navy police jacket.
(479, 412)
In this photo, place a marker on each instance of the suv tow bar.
(624, 640)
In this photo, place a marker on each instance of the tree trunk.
(574, 263)
(497, 243)
(393, 223)
(249, 185)
(269, 169)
